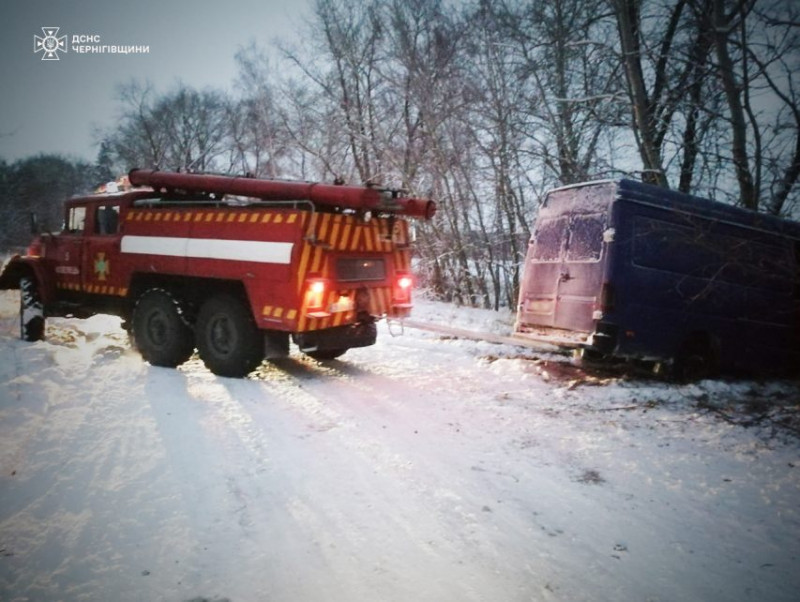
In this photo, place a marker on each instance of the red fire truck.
(230, 266)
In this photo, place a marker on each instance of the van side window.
(76, 220)
(548, 239)
(586, 238)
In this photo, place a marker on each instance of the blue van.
(625, 270)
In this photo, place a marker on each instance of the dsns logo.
(50, 44)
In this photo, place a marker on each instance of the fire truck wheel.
(31, 312)
(159, 332)
(325, 354)
(228, 340)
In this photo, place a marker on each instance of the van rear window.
(582, 233)
(549, 239)
(585, 238)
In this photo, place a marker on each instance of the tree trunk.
(627, 13)
(721, 26)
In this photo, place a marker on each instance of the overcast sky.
(52, 106)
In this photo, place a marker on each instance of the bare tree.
(427, 136)
(259, 142)
(182, 130)
(712, 89)
(572, 84)
(774, 51)
(351, 33)
(724, 24)
(662, 64)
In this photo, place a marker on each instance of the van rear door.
(565, 267)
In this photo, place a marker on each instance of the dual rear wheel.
(227, 338)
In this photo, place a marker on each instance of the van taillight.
(607, 297)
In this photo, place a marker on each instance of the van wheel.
(31, 310)
(228, 340)
(159, 332)
(697, 359)
(325, 354)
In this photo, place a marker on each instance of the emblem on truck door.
(102, 267)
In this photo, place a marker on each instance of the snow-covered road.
(420, 469)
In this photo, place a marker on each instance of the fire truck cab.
(233, 267)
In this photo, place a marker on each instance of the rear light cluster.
(319, 302)
(316, 290)
(401, 297)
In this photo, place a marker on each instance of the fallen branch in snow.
(755, 413)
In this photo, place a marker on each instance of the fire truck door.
(66, 251)
(101, 251)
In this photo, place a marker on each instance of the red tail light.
(402, 290)
(316, 292)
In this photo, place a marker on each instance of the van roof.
(649, 194)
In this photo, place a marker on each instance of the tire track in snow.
(375, 411)
(91, 472)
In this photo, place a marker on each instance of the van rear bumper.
(602, 341)
(553, 336)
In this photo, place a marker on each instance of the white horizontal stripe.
(209, 248)
(154, 245)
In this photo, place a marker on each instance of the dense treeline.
(482, 106)
(39, 185)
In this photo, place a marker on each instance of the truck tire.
(228, 340)
(159, 331)
(31, 310)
